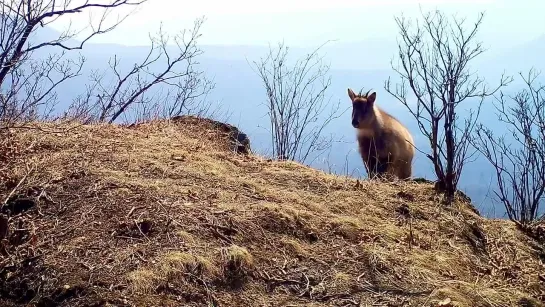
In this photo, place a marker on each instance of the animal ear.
(351, 94)
(371, 98)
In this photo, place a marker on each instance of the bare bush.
(434, 60)
(28, 83)
(296, 103)
(519, 160)
(172, 70)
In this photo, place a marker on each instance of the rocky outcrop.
(239, 141)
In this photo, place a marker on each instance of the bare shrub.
(28, 82)
(296, 103)
(434, 58)
(519, 155)
(173, 71)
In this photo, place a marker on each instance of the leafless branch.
(433, 65)
(296, 101)
(518, 156)
(180, 85)
(28, 82)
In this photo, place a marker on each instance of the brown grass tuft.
(178, 264)
(143, 281)
(293, 246)
(238, 264)
(186, 237)
(348, 227)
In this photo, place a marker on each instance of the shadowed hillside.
(166, 214)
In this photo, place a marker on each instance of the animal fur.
(385, 145)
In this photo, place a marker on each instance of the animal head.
(363, 112)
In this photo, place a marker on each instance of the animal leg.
(376, 167)
(384, 168)
(382, 165)
(404, 170)
(372, 164)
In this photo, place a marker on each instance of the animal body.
(385, 145)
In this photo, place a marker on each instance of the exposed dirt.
(167, 214)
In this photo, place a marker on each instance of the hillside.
(165, 214)
(362, 63)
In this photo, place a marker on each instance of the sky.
(306, 23)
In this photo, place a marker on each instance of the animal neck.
(374, 126)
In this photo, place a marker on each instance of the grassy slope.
(164, 215)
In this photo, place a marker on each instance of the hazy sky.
(310, 22)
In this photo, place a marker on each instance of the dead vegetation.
(165, 214)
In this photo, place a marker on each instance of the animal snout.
(355, 123)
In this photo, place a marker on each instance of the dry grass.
(166, 215)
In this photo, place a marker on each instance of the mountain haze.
(356, 65)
